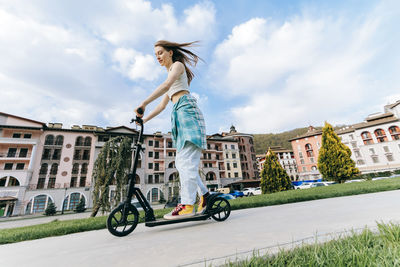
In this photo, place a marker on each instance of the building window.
(375, 159)
(20, 166)
(8, 166)
(73, 181)
(150, 142)
(12, 153)
(57, 154)
(358, 154)
(84, 168)
(150, 179)
(79, 141)
(389, 157)
(309, 150)
(88, 141)
(312, 160)
(367, 138)
(302, 161)
(52, 182)
(49, 140)
(380, 135)
(59, 140)
(86, 155)
(156, 179)
(156, 144)
(234, 165)
(150, 154)
(23, 152)
(228, 166)
(372, 151)
(75, 168)
(43, 168)
(300, 155)
(395, 132)
(82, 181)
(351, 137)
(360, 162)
(156, 166)
(16, 135)
(77, 154)
(234, 156)
(386, 149)
(54, 169)
(150, 166)
(40, 184)
(156, 155)
(313, 168)
(304, 169)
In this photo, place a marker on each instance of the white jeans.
(187, 163)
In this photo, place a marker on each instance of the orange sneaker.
(181, 211)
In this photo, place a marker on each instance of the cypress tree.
(111, 167)
(51, 209)
(81, 206)
(273, 176)
(334, 160)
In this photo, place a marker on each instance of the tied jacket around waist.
(188, 123)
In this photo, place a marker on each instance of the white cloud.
(304, 71)
(135, 65)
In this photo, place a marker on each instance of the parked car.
(355, 181)
(304, 185)
(319, 184)
(237, 193)
(257, 191)
(248, 191)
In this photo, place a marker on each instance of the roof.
(307, 134)
(8, 198)
(379, 116)
(390, 106)
(22, 118)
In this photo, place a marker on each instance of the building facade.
(285, 157)
(248, 160)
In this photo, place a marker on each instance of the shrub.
(50, 210)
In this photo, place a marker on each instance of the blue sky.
(269, 66)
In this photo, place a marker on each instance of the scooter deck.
(199, 217)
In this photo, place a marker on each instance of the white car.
(248, 191)
(319, 184)
(355, 181)
(257, 191)
(304, 185)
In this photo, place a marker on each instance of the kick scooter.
(125, 217)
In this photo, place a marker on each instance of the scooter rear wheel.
(122, 220)
(220, 209)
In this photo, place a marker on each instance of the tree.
(51, 209)
(111, 167)
(334, 160)
(81, 205)
(273, 177)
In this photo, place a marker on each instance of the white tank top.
(180, 84)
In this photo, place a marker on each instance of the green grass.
(380, 248)
(57, 228)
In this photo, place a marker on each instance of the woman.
(188, 128)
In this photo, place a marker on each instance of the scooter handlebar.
(138, 119)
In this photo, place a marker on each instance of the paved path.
(194, 243)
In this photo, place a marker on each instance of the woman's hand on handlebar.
(140, 111)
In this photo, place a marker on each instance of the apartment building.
(306, 150)
(285, 157)
(374, 143)
(247, 153)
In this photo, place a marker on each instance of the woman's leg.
(187, 163)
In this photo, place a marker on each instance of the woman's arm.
(160, 107)
(177, 69)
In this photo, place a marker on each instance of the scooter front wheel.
(220, 209)
(122, 220)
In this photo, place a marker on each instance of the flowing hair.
(181, 54)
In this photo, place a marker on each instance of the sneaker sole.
(171, 217)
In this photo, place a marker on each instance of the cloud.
(86, 63)
(308, 69)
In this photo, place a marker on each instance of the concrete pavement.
(202, 243)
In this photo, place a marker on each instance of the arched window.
(313, 168)
(309, 150)
(210, 176)
(172, 165)
(43, 168)
(154, 195)
(71, 201)
(380, 135)
(49, 140)
(395, 132)
(75, 168)
(137, 179)
(38, 204)
(54, 169)
(59, 140)
(3, 181)
(88, 141)
(79, 141)
(172, 177)
(367, 138)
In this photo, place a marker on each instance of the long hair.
(179, 53)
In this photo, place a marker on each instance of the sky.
(268, 66)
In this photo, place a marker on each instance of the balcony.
(15, 156)
(18, 141)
